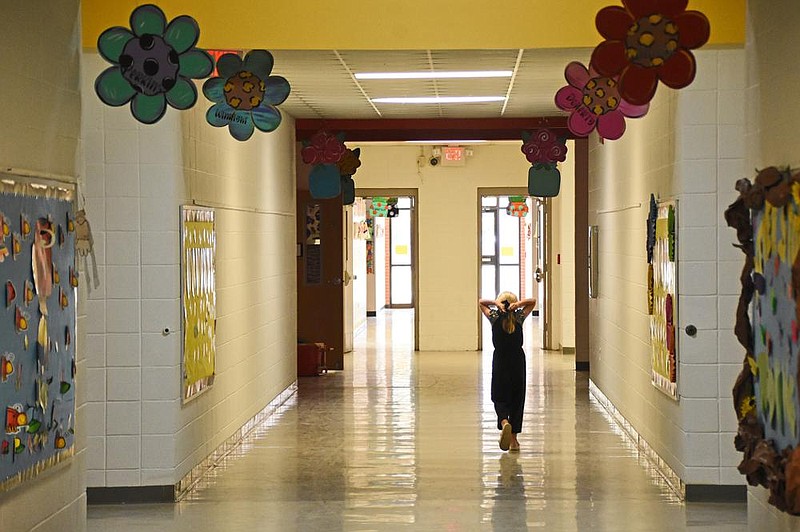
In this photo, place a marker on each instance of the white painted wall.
(359, 270)
(562, 266)
(771, 140)
(448, 231)
(137, 177)
(379, 240)
(690, 146)
(41, 107)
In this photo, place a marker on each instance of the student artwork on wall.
(198, 298)
(37, 330)
(766, 217)
(153, 64)
(544, 150)
(663, 301)
(245, 95)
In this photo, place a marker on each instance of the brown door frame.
(414, 193)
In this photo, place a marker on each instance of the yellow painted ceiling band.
(397, 25)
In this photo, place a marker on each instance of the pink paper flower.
(594, 102)
(323, 148)
(544, 146)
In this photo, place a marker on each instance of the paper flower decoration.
(324, 151)
(517, 206)
(379, 207)
(323, 148)
(349, 162)
(153, 63)
(647, 41)
(544, 150)
(543, 146)
(594, 102)
(348, 165)
(245, 95)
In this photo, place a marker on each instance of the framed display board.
(662, 288)
(37, 328)
(198, 300)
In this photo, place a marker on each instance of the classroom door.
(320, 274)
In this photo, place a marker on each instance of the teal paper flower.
(153, 64)
(245, 95)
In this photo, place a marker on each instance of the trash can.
(311, 360)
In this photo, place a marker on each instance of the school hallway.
(407, 441)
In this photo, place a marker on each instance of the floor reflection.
(404, 440)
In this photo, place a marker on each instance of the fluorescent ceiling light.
(441, 99)
(436, 75)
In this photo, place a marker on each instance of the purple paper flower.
(594, 103)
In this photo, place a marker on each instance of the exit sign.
(453, 156)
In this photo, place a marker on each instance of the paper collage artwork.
(663, 301)
(766, 217)
(198, 244)
(37, 354)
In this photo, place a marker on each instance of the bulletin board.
(662, 287)
(199, 299)
(37, 329)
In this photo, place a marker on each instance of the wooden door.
(320, 294)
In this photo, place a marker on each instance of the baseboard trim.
(716, 493)
(371, 313)
(130, 494)
(190, 481)
(568, 350)
(660, 467)
(176, 492)
(581, 365)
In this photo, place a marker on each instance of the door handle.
(538, 275)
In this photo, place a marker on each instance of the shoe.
(505, 437)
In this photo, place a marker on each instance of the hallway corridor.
(407, 441)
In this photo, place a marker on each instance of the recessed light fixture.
(441, 99)
(436, 75)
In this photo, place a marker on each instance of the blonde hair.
(509, 323)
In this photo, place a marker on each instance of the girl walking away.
(506, 315)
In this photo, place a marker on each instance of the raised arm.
(486, 306)
(527, 306)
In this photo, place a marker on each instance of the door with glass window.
(401, 256)
(510, 245)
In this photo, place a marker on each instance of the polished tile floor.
(407, 441)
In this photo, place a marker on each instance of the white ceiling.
(323, 86)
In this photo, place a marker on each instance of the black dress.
(508, 371)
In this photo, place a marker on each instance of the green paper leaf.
(148, 19)
(183, 95)
(112, 88)
(112, 41)
(182, 33)
(149, 109)
(196, 64)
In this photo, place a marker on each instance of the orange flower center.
(244, 91)
(600, 95)
(651, 41)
